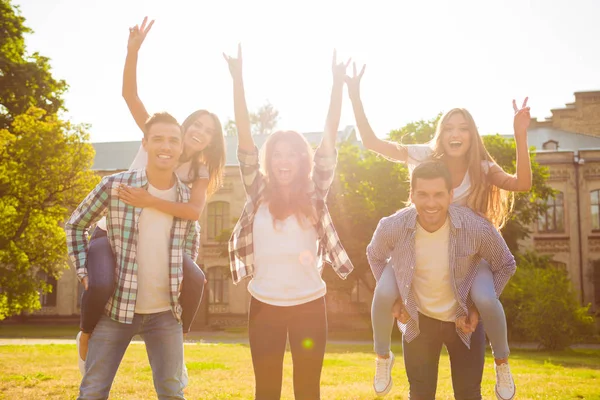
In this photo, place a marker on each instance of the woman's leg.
(100, 265)
(191, 291)
(386, 294)
(483, 295)
(267, 331)
(308, 337)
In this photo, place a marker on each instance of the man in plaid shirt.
(148, 247)
(435, 249)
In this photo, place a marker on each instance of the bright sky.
(422, 57)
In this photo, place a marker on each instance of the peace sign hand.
(354, 81)
(235, 64)
(522, 119)
(137, 34)
(338, 69)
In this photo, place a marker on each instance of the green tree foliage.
(541, 305)
(25, 80)
(44, 169)
(44, 173)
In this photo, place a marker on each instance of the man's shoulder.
(124, 176)
(469, 218)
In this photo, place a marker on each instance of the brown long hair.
(299, 201)
(213, 155)
(487, 199)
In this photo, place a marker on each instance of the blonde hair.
(486, 199)
(299, 201)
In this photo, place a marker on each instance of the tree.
(262, 122)
(44, 173)
(25, 80)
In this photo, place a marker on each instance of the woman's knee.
(192, 272)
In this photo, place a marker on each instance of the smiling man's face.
(431, 198)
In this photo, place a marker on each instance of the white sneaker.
(383, 375)
(505, 385)
(81, 361)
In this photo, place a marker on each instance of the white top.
(152, 255)
(287, 270)
(184, 173)
(418, 153)
(431, 282)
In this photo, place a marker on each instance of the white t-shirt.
(432, 283)
(287, 269)
(152, 255)
(419, 153)
(184, 173)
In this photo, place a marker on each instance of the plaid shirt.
(241, 245)
(472, 238)
(122, 223)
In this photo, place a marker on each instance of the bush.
(542, 307)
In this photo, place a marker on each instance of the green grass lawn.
(224, 371)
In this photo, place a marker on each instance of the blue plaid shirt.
(122, 224)
(472, 238)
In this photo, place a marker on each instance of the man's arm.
(380, 249)
(494, 250)
(90, 209)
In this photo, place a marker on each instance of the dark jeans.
(422, 356)
(268, 328)
(101, 269)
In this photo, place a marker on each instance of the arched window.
(218, 219)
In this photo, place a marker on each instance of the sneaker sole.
(504, 398)
(388, 387)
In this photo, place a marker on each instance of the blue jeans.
(164, 344)
(422, 356)
(482, 294)
(101, 281)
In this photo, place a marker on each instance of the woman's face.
(199, 135)
(456, 136)
(285, 163)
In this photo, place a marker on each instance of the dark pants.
(101, 269)
(422, 356)
(268, 329)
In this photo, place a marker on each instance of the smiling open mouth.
(455, 144)
(284, 173)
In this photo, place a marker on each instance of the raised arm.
(137, 34)
(391, 150)
(521, 181)
(242, 120)
(332, 123)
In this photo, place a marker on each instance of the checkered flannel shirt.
(122, 223)
(241, 245)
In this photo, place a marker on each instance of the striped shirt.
(241, 244)
(472, 238)
(122, 222)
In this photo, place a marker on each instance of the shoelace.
(504, 375)
(381, 369)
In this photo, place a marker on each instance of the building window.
(550, 145)
(218, 218)
(595, 209)
(218, 286)
(356, 292)
(49, 299)
(553, 219)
